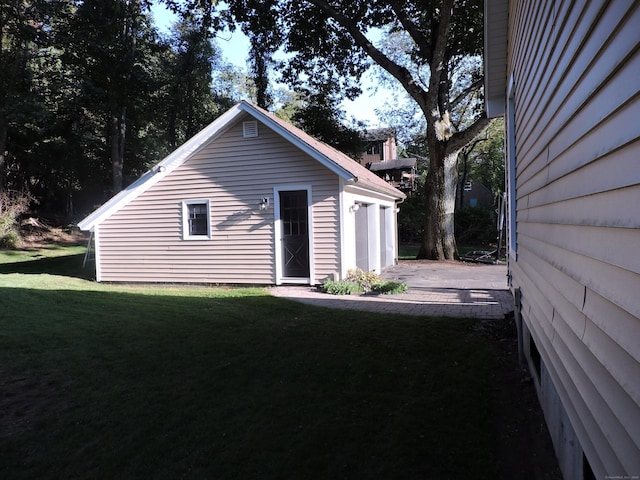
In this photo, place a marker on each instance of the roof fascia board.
(364, 191)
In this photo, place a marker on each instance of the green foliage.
(9, 237)
(366, 282)
(389, 287)
(321, 117)
(340, 287)
(483, 160)
(82, 80)
(476, 225)
(12, 205)
(68, 70)
(411, 215)
(187, 102)
(356, 281)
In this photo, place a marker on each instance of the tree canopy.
(91, 94)
(438, 64)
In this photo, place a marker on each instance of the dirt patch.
(36, 233)
(524, 447)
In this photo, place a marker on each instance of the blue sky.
(235, 48)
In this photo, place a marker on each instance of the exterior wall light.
(354, 208)
(264, 203)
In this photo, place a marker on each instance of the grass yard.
(111, 381)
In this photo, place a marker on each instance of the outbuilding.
(250, 199)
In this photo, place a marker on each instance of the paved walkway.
(451, 289)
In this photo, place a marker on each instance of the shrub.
(340, 287)
(359, 281)
(12, 205)
(389, 287)
(362, 278)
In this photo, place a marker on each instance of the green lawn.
(111, 381)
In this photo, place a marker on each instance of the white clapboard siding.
(142, 242)
(576, 82)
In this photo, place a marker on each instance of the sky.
(235, 49)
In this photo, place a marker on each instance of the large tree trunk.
(438, 241)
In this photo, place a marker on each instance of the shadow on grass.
(220, 384)
(66, 265)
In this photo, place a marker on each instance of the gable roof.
(336, 161)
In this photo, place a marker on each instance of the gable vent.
(250, 129)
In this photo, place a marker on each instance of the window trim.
(185, 219)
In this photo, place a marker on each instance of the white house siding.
(574, 69)
(379, 239)
(143, 242)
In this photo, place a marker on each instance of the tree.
(106, 45)
(481, 161)
(21, 31)
(319, 115)
(86, 84)
(189, 100)
(444, 38)
(37, 99)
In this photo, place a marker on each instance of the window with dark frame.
(197, 216)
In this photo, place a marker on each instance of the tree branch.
(471, 88)
(412, 29)
(398, 72)
(440, 45)
(459, 139)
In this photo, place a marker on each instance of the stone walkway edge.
(484, 304)
(462, 295)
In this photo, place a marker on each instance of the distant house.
(472, 194)
(381, 157)
(401, 173)
(380, 145)
(566, 76)
(248, 200)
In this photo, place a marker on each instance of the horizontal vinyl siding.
(143, 241)
(576, 67)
